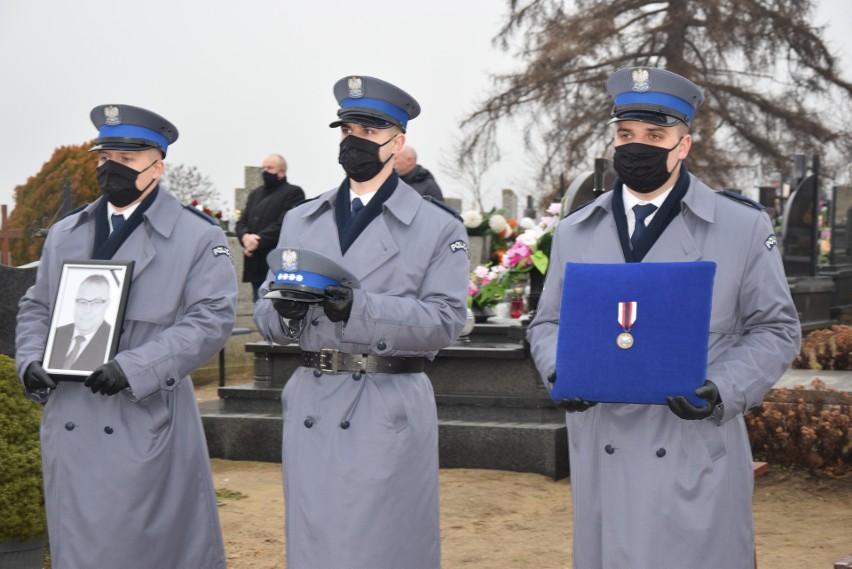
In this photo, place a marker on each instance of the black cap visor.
(658, 115)
(295, 292)
(124, 144)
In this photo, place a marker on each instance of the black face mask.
(642, 167)
(270, 180)
(118, 183)
(360, 158)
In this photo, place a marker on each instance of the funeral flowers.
(531, 248)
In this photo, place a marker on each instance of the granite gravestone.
(800, 231)
(588, 186)
(14, 282)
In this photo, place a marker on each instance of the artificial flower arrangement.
(493, 223)
(490, 283)
(214, 213)
(531, 248)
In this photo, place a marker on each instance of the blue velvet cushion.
(670, 334)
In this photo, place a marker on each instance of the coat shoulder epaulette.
(77, 210)
(742, 199)
(201, 214)
(578, 208)
(443, 206)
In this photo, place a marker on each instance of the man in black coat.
(260, 221)
(415, 175)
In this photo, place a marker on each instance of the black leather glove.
(36, 378)
(108, 379)
(338, 303)
(575, 405)
(681, 406)
(290, 309)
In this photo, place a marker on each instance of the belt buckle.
(328, 360)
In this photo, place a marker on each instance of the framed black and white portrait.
(87, 317)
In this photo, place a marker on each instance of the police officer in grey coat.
(360, 443)
(655, 485)
(127, 476)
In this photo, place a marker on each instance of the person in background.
(670, 486)
(360, 439)
(127, 479)
(415, 175)
(260, 221)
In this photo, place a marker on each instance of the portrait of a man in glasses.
(82, 344)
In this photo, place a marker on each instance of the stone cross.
(6, 235)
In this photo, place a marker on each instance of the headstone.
(253, 179)
(588, 186)
(14, 282)
(454, 203)
(800, 230)
(530, 209)
(841, 226)
(510, 203)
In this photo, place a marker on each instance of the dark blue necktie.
(641, 212)
(117, 221)
(357, 206)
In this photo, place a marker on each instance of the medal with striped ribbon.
(626, 318)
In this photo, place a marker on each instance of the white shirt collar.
(365, 199)
(126, 213)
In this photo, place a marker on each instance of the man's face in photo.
(90, 306)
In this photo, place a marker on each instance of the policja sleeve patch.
(221, 250)
(771, 242)
(459, 245)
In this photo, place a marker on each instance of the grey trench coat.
(366, 497)
(127, 478)
(674, 493)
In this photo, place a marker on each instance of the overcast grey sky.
(242, 79)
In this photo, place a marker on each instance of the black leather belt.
(332, 361)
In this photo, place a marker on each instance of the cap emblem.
(356, 87)
(640, 80)
(289, 260)
(111, 115)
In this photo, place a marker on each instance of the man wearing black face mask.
(360, 434)
(126, 469)
(260, 221)
(670, 485)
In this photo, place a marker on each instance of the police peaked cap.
(125, 127)
(372, 102)
(653, 95)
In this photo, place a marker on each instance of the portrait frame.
(87, 317)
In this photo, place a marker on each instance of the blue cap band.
(304, 278)
(652, 98)
(378, 105)
(133, 131)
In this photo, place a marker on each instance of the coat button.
(69, 426)
(344, 425)
(108, 430)
(170, 381)
(661, 452)
(381, 345)
(309, 422)
(609, 449)
(317, 373)
(315, 322)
